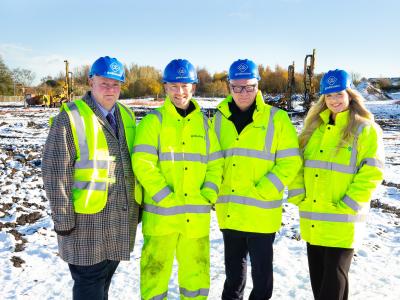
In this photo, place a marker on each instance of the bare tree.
(23, 76)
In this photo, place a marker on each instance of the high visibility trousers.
(193, 256)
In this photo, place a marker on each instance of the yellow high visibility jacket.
(91, 169)
(178, 162)
(334, 188)
(259, 163)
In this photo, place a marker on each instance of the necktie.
(110, 118)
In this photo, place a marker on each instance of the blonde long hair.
(358, 114)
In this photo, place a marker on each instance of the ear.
(90, 81)
(194, 87)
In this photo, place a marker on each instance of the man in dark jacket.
(89, 181)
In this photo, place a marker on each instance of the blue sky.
(358, 36)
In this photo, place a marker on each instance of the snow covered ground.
(31, 269)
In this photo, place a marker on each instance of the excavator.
(51, 99)
(309, 88)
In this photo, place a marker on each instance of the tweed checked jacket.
(109, 234)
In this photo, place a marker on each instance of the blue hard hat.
(243, 69)
(180, 70)
(335, 81)
(108, 67)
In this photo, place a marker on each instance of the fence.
(11, 98)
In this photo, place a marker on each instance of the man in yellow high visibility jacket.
(178, 161)
(88, 177)
(261, 158)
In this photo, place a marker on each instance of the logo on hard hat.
(115, 67)
(181, 71)
(332, 80)
(242, 67)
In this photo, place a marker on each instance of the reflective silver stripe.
(215, 155)
(287, 152)
(351, 203)
(349, 169)
(319, 164)
(270, 133)
(193, 294)
(90, 185)
(90, 164)
(159, 297)
(80, 131)
(173, 156)
(372, 162)
(276, 181)
(146, 149)
(295, 192)
(205, 123)
(157, 113)
(332, 217)
(162, 194)
(211, 185)
(218, 119)
(249, 201)
(354, 152)
(176, 210)
(249, 153)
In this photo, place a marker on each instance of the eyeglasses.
(239, 88)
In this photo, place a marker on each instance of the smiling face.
(244, 92)
(105, 90)
(337, 102)
(180, 93)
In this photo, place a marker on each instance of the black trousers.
(259, 248)
(92, 282)
(329, 269)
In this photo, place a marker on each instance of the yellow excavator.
(51, 99)
(67, 92)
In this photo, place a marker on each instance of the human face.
(105, 90)
(246, 97)
(337, 102)
(180, 93)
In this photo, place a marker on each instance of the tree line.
(146, 81)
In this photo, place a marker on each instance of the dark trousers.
(329, 269)
(259, 248)
(92, 282)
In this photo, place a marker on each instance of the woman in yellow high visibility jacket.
(343, 162)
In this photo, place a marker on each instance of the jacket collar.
(170, 107)
(342, 118)
(102, 119)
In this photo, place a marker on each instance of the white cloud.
(42, 64)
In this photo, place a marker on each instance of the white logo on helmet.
(242, 67)
(115, 67)
(181, 71)
(332, 80)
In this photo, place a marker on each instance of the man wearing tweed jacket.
(89, 181)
